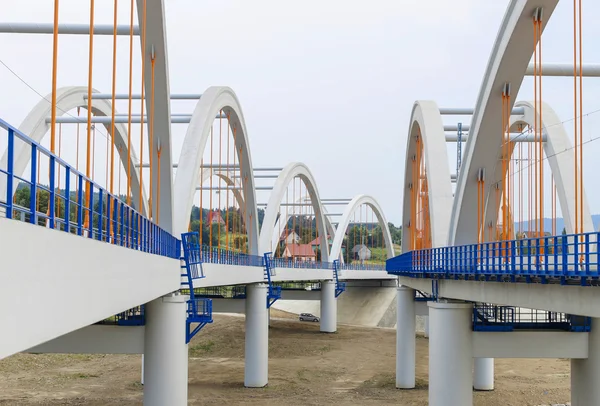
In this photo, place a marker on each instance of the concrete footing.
(405, 339)
(585, 373)
(328, 307)
(256, 368)
(450, 354)
(166, 352)
(483, 374)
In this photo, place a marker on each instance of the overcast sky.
(329, 83)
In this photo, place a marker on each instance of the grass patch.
(324, 349)
(202, 348)
(81, 375)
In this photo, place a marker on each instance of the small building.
(316, 243)
(361, 252)
(289, 237)
(300, 253)
(214, 217)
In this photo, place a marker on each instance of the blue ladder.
(274, 292)
(199, 310)
(340, 287)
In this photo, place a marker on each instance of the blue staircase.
(199, 310)
(274, 292)
(340, 287)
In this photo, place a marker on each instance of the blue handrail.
(110, 219)
(214, 255)
(565, 256)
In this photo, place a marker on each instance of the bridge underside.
(579, 300)
(53, 283)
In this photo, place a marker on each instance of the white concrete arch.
(561, 158)
(69, 98)
(156, 76)
(427, 121)
(212, 102)
(355, 203)
(291, 171)
(229, 180)
(508, 63)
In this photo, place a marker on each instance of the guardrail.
(362, 267)
(81, 207)
(567, 256)
(214, 255)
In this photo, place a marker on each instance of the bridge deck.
(54, 282)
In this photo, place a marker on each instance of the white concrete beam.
(530, 344)
(579, 300)
(96, 339)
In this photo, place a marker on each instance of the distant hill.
(560, 224)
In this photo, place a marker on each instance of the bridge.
(163, 239)
(497, 279)
(130, 247)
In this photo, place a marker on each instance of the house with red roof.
(300, 253)
(214, 217)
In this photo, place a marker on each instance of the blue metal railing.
(362, 267)
(564, 256)
(488, 317)
(132, 317)
(214, 255)
(289, 263)
(110, 219)
(192, 257)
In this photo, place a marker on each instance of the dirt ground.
(306, 367)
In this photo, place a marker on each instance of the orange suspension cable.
(521, 186)
(553, 206)
(57, 197)
(77, 147)
(37, 200)
(143, 22)
(294, 211)
(54, 74)
(540, 128)
(227, 192)
(129, 107)
(89, 112)
(210, 197)
(201, 228)
(220, 164)
(529, 188)
(93, 152)
(158, 151)
(107, 154)
(575, 121)
(235, 201)
(112, 122)
(580, 121)
(151, 135)
(503, 149)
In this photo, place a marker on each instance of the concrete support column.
(585, 373)
(165, 352)
(405, 338)
(328, 307)
(450, 354)
(426, 326)
(483, 373)
(256, 369)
